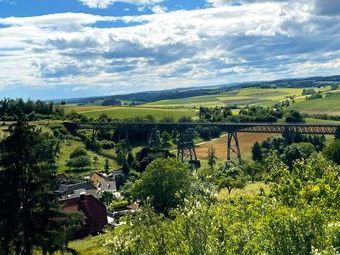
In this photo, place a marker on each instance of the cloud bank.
(228, 42)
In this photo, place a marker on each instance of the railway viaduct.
(186, 147)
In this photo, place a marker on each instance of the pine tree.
(27, 182)
(257, 152)
(107, 166)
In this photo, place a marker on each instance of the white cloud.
(58, 20)
(102, 4)
(208, 46)
(157, 9)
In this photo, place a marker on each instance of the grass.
(329, 105)
(132, 112)
(68, 147)
(84, 108)
(251, 189)
(92, 245)
(246, 96)
(319, 121)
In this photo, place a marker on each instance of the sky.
(79, 48)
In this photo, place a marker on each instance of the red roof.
(93, 210)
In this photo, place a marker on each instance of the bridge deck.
(322, 129)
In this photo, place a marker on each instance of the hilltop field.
(328, 105)
(131, 112)
(246, 96)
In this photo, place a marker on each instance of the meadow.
(68, 146)
(132, 112)
(329, 105)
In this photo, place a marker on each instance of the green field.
(84, 108)
(132, 112)
(68, 147)
(329, 105)
(246, 96)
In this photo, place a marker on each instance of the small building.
(102, 182)
(76, 189)
(94, 212)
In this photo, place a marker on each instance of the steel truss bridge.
(185, 141)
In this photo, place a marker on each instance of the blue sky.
(76, 48)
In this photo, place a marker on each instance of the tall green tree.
(257, 152)
(28, 204)
(332, 151)
(166, 182)
(211, 157)
(230, 176)
(337, 133)
(107, 166)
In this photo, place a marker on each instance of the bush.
(78, 152)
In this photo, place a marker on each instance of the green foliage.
(297, 151)
(294, 117)
(337, 133)
(107, 166)
(79, 158)
(106, 198)
(211, 157)
(257, 152)
(314, 181)
(10, 109)
(230, 176)
(78, 152)
(299, 217)
(166, 182)
(332, 151)
(253, 170)
(28, 205)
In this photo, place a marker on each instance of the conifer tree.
(28, 205)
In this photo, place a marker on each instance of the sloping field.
(244, 96)
(132, 112)
(246, 141)
(329, 105)
(84, 108)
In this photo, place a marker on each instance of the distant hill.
(152, 96)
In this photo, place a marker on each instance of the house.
(76, 189)
(102, 182)
(94, 212)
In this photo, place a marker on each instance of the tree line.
(10, 109)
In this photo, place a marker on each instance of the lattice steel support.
(186, 149)
(155, 141)
(233, 146)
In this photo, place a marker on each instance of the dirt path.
(246, 142)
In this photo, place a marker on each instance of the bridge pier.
(154, 140)
(186, 149)
(233, 146)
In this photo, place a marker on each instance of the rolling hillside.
(132, 112)
(329, 105)
(244, 96)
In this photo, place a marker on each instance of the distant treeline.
(10, 108)
(152, 96)
(250, 114)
